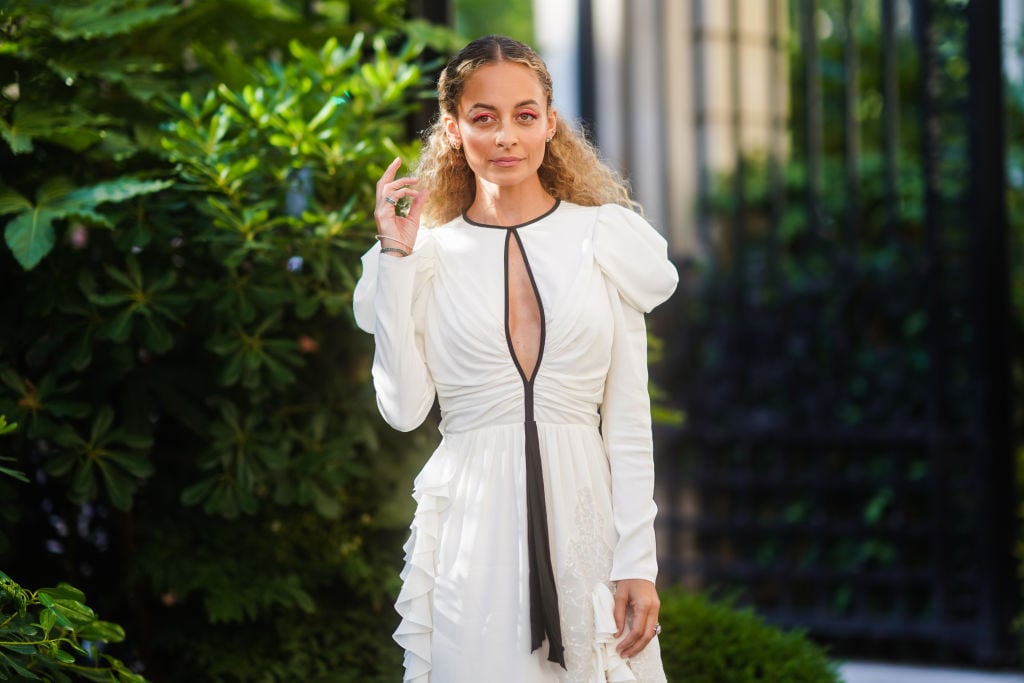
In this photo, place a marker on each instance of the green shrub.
(708, 641)
(183, 228)
(51, 635)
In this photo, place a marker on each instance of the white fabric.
(438, 320)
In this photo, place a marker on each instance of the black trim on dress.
(544, 615)
(558, 202)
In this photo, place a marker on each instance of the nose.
(505, 137)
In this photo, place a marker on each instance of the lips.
(506, 161)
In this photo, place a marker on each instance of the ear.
(451, 128)
(552, 122)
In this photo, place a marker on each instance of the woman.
(522, 310)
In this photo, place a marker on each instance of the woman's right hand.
(395, 230)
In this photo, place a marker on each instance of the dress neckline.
(558, 202)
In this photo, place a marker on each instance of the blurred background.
(185, 188)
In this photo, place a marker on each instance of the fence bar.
(930, 140)
(890, 112)
(812, 98)
(587, 88)
(991, 288)
(778, 130)
(852, 125)
(700, 98)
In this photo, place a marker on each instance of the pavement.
(865, 672)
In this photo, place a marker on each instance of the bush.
(52, 635)
(187, 188)
(707, 641)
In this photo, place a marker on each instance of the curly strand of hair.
(573, 171)
(444, 171)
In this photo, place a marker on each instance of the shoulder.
(633, 255)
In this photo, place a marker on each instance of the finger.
(389, 173)
(643, 611)
(634, 634)
(645, 635)
(621, 600)
(417, 205)
(399, 184)
(394, 196)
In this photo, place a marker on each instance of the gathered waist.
(447, 428)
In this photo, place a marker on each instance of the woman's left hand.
(640, 597)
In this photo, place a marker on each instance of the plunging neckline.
(513, 240)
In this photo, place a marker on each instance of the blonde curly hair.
(571, 170)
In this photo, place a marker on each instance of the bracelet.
(385, 237)
(385, 250)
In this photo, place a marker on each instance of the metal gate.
(842, 353)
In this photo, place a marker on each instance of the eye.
(527, 115)
(483, 118)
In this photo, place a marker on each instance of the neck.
(497, 205)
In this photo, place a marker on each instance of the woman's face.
(503, 124)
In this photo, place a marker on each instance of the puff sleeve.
(633, 258)
(389, 302)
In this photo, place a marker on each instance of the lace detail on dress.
(589, 562)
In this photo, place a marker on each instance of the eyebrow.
(482, 105)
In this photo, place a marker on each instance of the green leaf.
(17, 474)
(120, 326)
(156, 336)
(61, 464)
(119, 487)
(20, 670)
(20, 649)
(6, 428)
(116, 190)
(63, 591)
(102, 422)
(198, 491)
(47, 618)
(30, 236)
(13, 202)
(103, 631)
(75, 611)
(231, 371)
(324, 504)
(13, 380)
(83, 482)
(98, 20)
(19, 142)
(135, 464)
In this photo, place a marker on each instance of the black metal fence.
(842, 354)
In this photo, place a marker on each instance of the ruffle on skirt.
(610, 666)
(432, 495)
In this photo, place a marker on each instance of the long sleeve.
(626, 429)
(387, 301)
(633, 258)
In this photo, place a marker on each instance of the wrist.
(387, 241)
(394, 251)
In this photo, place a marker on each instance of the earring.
(455, 144)
(550, 138)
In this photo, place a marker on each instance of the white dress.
(439, 320)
